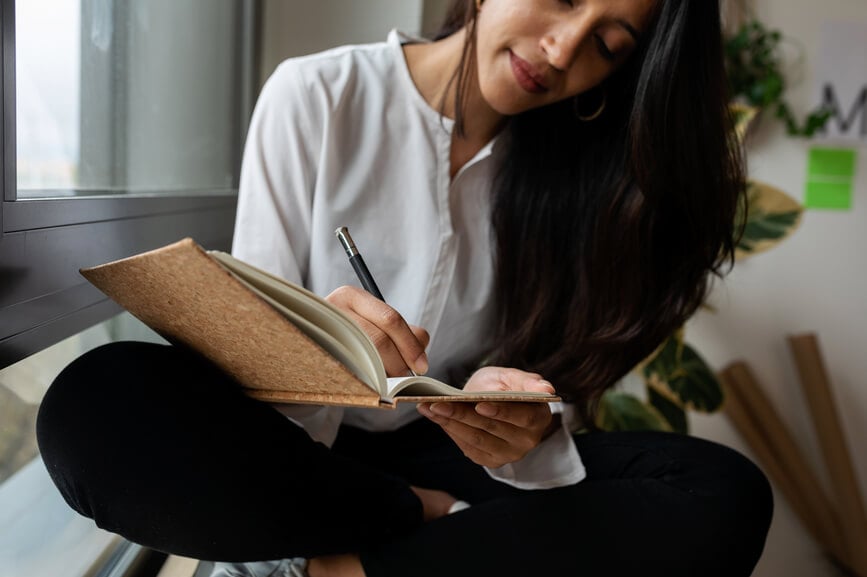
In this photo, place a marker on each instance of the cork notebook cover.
(258, 328)
(187, 297)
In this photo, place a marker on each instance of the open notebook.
(281, 342)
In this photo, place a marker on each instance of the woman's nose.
(561, 44)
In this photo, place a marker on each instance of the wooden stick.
(768, 436)
(817, 389)
(736, 410)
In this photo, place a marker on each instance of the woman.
(545, 190)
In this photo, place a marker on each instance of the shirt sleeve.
(555, 462)
(278, 177)
(275, 204)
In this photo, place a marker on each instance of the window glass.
(127, 97)
(39, 534)
(48, 94)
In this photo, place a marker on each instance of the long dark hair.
(607, 232)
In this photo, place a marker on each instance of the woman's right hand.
(401, 346)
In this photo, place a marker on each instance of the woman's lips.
(527, 78)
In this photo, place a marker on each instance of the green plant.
(676, 379)
(754, 69)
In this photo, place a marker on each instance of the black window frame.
(45, 241)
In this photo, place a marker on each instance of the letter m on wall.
(845, 121)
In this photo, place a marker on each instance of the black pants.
(158, 446)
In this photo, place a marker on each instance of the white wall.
(296, 27)
(816, 281)
(433, 16)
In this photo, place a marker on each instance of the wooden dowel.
(766, 433)
(817, 389)
(736, 411)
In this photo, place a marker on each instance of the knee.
(718, 503)
(83, 389)
(73, 426)
(739, 513)
(756, 500)
(747, 491)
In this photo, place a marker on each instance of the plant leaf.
(623, 412)
(743, 117)
(679, 373)
(772, 216)
(670, 410)
(771, 227)
(696, 384)
(665, 363)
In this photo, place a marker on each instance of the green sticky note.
(830, 178)
(834, 195)
(832, 162)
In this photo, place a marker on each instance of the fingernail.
(548, 383)
(486, 409)
(424, 409)
(420, 364)
(442, 409)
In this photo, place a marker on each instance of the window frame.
(45, 241)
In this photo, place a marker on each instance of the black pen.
(358, 263)
(361, 269)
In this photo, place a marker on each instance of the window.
(142, 148)
(127, 97)
(122, 129)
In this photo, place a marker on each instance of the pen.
(358, 263)
(361, 269)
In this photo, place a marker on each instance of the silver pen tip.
(342, 233)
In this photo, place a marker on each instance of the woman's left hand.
(495, 433)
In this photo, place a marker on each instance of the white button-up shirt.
(343, 138)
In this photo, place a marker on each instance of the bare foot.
(435, 503)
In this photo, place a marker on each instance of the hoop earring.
(594, 115)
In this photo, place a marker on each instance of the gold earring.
(478, 5)
(595, 115)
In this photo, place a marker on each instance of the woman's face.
(535, 52)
